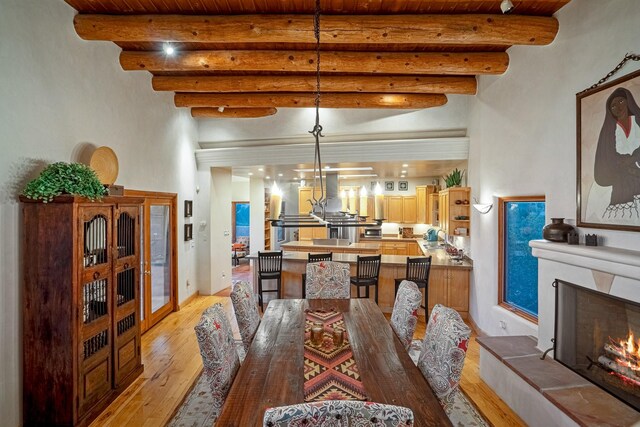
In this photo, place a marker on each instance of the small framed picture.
(373, 186)
(403, 185)
(188, 232)
(388, 185)
(188, 208)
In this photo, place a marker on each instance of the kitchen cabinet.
(449, 287)
(423, 199)
(401, 209)
(432, 209)
(400, 248)
(304, 207)
(409, 213)
(452, 207)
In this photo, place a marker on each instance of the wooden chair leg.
(260, 298)
(376, 286)
(304, 285)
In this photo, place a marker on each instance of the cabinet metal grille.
(126, 235)
(126, 285)
(127, 323)
(95, 304)
(95, 344)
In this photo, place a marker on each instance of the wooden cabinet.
(409, 212)
(304, 207)
(81, 317)
(455, 214)
(432, 209)
(400, 248)
(449, 287)
(401, 209)
(423, 199)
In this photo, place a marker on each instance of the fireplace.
(598, 336)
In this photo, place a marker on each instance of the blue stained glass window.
(523, 221)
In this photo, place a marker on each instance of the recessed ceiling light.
(403, 172)
(295, 178)
(279, 174)
(357, 176)
(401, 176)
(329, 169)
(168, 48)
(405, 165)
(260, 169)
(250, 173)
(267, 177)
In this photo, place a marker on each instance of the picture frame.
(188, 232)
(372, 186)
(188, 208)
(403, 185)
(608, 155)
(388, 186)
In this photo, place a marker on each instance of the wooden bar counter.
(448, 281)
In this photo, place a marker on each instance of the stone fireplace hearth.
(544, 392)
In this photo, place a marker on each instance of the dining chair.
(246, 309)
(219, 356)
(314, 258)
(404, 317)
(338, 413)
(327, 280)
(418, 272)
(269, 268)
(444, 349)
(367, 272)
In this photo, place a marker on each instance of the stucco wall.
(523, 134)
(57, 95)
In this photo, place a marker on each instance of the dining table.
(273, 372)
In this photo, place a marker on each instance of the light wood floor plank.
(172, 363)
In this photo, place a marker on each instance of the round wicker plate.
(105, 162)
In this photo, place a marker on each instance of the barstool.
(269, 268)
(367, 272)
(417, 272)
(314, 258)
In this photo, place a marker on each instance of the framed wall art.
(388, 185)
(608, 158)
(403, 185)
(188, 208)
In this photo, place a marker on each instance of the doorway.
(158, 260)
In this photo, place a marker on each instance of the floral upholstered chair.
(328, 280)
(336, 413)
(405, 311)
(444, 349)
(246, 308)
(219, 356)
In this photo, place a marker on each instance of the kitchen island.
(448, 280)
(368, 248)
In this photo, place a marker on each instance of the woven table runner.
(330, 372)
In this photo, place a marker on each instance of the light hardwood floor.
(172, 362)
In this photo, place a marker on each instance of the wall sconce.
(483, 208)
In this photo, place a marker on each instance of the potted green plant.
(65, 178)
(454, 179)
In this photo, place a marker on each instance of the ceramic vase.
(557, 231)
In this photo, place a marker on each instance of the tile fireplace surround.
(545, 393)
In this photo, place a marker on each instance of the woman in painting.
(617, 163)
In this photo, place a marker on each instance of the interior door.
(158, 257)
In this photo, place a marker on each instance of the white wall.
(256, 213)
(240, 191)
(220, 230)
(523, 134)
(56, 94)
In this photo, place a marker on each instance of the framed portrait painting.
(608, 163)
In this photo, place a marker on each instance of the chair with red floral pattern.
(245, 306)
(405, 311)
(219, 356)
(444, 349)
(328, 280)
(333, 413)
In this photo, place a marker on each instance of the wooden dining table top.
(272, 374)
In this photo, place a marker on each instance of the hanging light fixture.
(319, 216)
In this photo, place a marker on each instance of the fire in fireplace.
(595, 336)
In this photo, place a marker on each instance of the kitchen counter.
(307, 246)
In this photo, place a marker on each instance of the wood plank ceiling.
(254, 56)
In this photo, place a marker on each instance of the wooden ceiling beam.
(468, 63)
(305, 100)
(352, 29)
(307, 83)
(231, 113)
